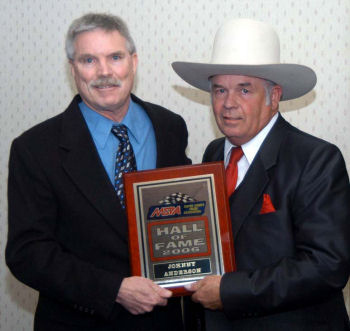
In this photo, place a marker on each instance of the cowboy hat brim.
(295, 80)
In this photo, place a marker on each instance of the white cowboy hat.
(249, 48)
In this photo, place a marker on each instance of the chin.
(109, 104)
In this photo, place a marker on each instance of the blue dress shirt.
(140, 131)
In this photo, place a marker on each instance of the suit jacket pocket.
(264, 239)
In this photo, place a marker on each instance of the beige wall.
(35, 82)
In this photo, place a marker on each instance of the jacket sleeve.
(214, 151)
(172, 138)
(33, 253)
(182, 129)
(319, 209)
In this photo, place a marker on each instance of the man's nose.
(104, 68)
(231, 100)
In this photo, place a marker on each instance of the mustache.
(105, 81)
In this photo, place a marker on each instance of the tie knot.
(121, 132)
(236, 154)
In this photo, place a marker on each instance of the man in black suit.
(67, 227)
(290, 206)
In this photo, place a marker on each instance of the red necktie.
(232, 170)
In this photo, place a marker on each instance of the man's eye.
(245, 91)
(219, 92)
(116, 57)
(89, 60)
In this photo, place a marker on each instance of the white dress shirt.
(249, 149)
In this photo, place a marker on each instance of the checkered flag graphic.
(176, 198)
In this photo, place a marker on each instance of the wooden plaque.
(179, 224)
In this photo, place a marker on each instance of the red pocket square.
(267, 206)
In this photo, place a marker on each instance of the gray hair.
(268, 86)
(94, 21)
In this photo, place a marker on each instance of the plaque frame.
(212, 227)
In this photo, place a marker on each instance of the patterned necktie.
(232, 170)
(125, 160)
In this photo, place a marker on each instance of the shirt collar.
(100, 126)
(250, 149)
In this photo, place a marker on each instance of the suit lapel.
(246, 196)
(158, 130)
(82, 163)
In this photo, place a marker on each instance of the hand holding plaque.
(179, 224)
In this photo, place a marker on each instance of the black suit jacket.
(67, 231)
(292, 263)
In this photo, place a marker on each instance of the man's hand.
(207, 292)
(139, 295)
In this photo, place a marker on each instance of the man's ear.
(276, 95)
(71, 65)
(135, 61)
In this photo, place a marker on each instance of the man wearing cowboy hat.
(290, 208)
